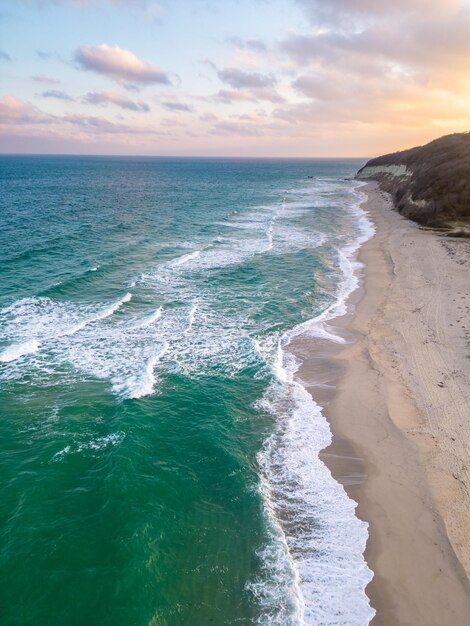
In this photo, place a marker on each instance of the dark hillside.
(429, 184)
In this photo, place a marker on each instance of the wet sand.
(397, 396)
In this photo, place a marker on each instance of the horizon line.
(179, 156)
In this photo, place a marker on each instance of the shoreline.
(396, 396)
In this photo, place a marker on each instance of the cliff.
(429, 184)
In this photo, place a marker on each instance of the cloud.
(351, 12)
(131, 3)
(239, 79)
(177, 106)
(419, 35)
(15, 111)
(4, 56)
(319, 87)
(110, 97)
(25, 128)
(93, 124)
(57, 95)
(391, 63)
(251, 85)
(253, 45)
(48, 56)
(138, 4)
(227, 96)
(347, 77)
(208, 117)
(173, 123)
(149, 8)
(368, 106)
(235, 128)
(119, 64)
(46, 80)
(254, 124)
(426, 44)
(90, 122)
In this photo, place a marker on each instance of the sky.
(266, 78)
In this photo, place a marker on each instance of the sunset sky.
(232, 77)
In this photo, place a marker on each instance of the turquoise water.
(158, 459)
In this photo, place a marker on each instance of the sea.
(159, 458)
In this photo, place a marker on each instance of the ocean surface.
(158, 460)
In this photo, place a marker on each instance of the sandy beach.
(397, 396)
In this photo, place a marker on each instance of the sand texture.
(398, 401)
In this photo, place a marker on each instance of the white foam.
(322, 540)
(103, 314)
(278, 366)
(325, 540)
(16, 351)
(58, 456)
(100, 443)
(125, 352)
(270, 230)
(33, 323)
(186, 258)
(191, 317)
(278, 590)
(192, 336)
(150, 319)
(142, 383)
(257, 237)
(318, 326)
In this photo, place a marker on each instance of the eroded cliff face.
(394, 171)
(429, 184)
